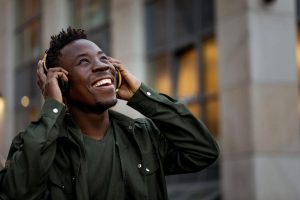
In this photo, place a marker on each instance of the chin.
(101, 106)
(96, 107)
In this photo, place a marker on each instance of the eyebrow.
(101, 52)
(85, 54)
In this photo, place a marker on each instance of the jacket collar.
(123, 127)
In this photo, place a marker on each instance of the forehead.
(78, 47)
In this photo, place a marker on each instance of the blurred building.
(232, 62)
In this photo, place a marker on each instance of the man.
(79, 149)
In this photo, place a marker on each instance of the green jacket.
(47, 160)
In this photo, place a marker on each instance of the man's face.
(92, 78)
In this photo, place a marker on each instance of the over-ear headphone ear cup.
(119, 79)
(44, 63)
(64, 86)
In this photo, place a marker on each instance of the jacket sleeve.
(183, 142)
(31, 155)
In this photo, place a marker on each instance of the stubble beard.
(97, 108)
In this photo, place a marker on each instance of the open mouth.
(103, 82)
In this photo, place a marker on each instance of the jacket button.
(139, 165)
(55, 110)
(148, 170)
(149, 93)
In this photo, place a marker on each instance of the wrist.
(136, 87)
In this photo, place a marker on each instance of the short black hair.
(59, 41)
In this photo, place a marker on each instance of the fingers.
(45, 75)
(42, 73)
(57, 69)
(56, 73)
(130, 84)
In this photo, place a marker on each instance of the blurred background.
(234, 63)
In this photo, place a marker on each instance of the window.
(188, 80)
(28, 30)
(175, 22)
(211, 83)
(182, 55)
(28, 50)
(156, 20)
(93, 16)
(183, 34)
(90, 13)
(184, 17)
(197, 83)
(163, 77)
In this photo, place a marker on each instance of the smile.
(103, 82)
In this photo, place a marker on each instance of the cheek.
(77, 86)
(76, 79)
(80, 94)
(77, 89)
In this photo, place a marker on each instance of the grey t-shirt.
(104, 169)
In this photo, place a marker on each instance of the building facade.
(233, 63)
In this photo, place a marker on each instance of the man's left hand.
(130, 84)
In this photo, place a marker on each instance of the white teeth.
(102, 82)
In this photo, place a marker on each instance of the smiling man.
(80, 149)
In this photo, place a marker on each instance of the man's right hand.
(48, 83)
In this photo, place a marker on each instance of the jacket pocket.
(152, 176)
(150, 164)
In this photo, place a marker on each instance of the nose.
(100, 66)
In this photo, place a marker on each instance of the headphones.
(119, 79)
(64, 86)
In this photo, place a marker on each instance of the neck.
(92, 124)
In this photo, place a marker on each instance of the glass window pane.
(212, 116)
(188, 80)
(210, 57)
(156, 16)
(28, 30)
(163, 80)
(209, 51)
(26, 9)
(19, 48)
(91, 13)
(28, 42)
(19, 12)
(184, 17)
(98, 14)
(195, 108)
(205, 14)
(78, 12)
